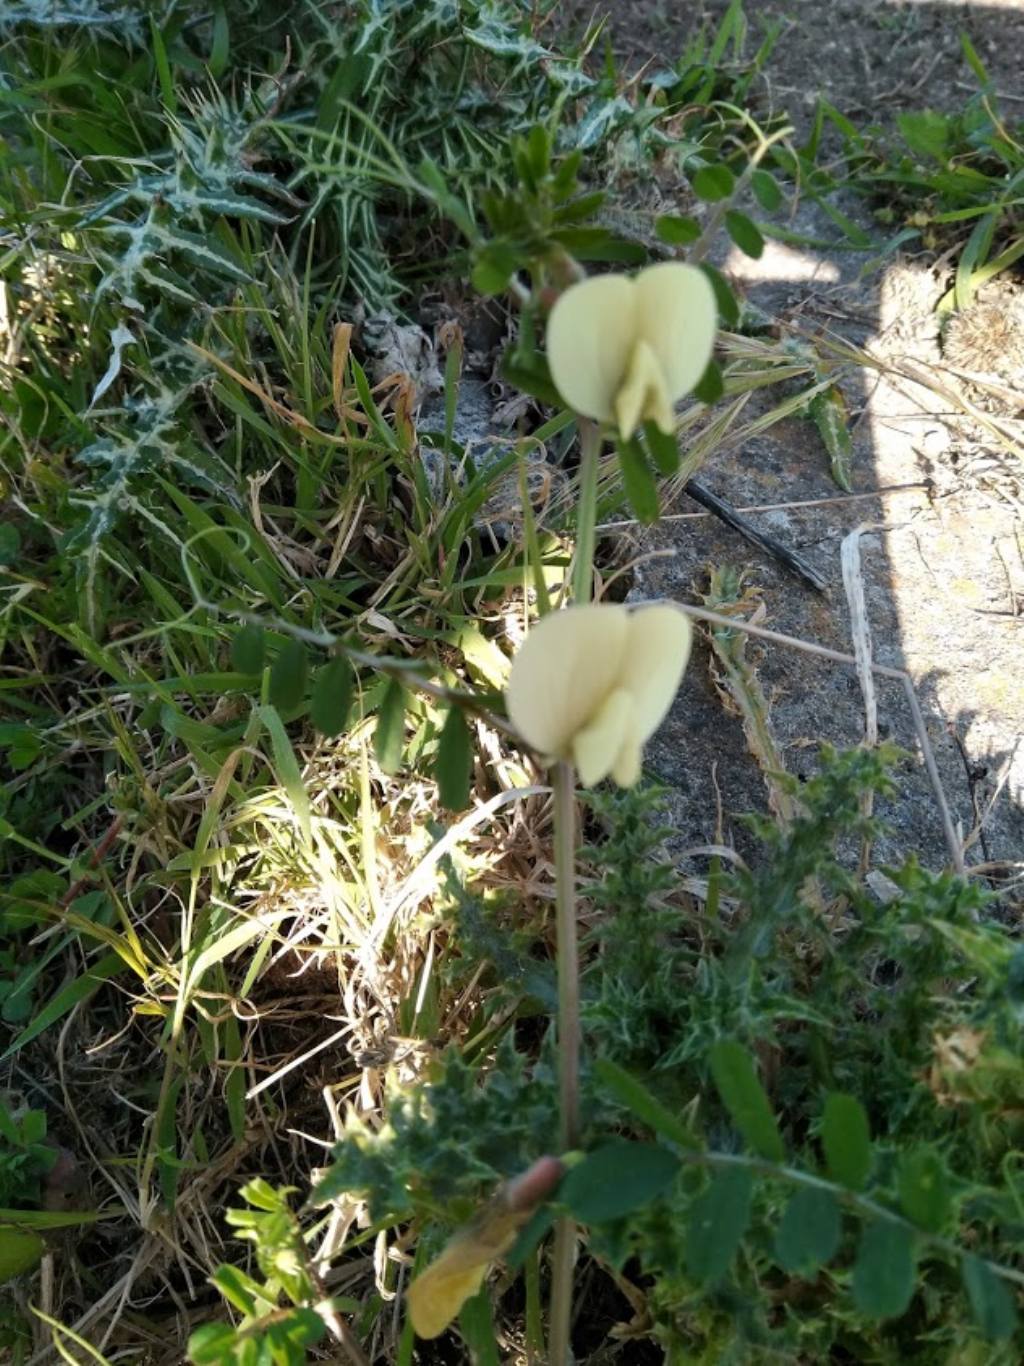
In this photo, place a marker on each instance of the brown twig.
(725, 512)
(95, 856)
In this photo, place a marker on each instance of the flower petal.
(595, 747)
(643, 394)
(654, 660)
(629, 762)
(590, 338)
(563, 672)
(677, 316)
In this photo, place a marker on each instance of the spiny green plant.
(106, 18)
(180, 230)
(450, 1139)
(817, 1159)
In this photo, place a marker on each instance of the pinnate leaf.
(713, 183)
(924, 1189)
(331, 700)
(288, 676)
(809, 1233)
(638, 480)
(632, 1093)
(745, 233)
(389, 736)
(454, 764)
(992, 1301)
(247, 650)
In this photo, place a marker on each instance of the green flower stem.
(586, 511)
(562, 1266)
(534, 1317)
(563, 1254)
(568, 955)
(568, 1049)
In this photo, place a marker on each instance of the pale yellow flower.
(625, 349)
(592, 684)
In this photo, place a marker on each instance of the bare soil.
(870, 58)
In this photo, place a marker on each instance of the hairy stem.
(568, 1050)
(562, 1265)
(568, 955)
(586, 512)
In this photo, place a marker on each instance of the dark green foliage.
(848, 1031)
(616, 1179)
(744, 1097)
(728, 308)
(713, 182)
(716, 1223)
(632, 1005)
(822, 1143)
(331, 698)
(883, 1274)
(25, 1158)
(809, 1231)
(845, 1140)
(389, 735)
(745, 233)
(992, 1301)
(639, 1101)
(813, 1138)
(676, 230)
(924, 1189)
(451, 1141)
(288, 676)
(486, 933)
(638, 481)
(711, 385)
(247, 650)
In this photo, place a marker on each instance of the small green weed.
(946, 175)
(25, 1157)
(267, 1329)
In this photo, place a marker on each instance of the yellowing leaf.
(436, 1296)
(438, 1293)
